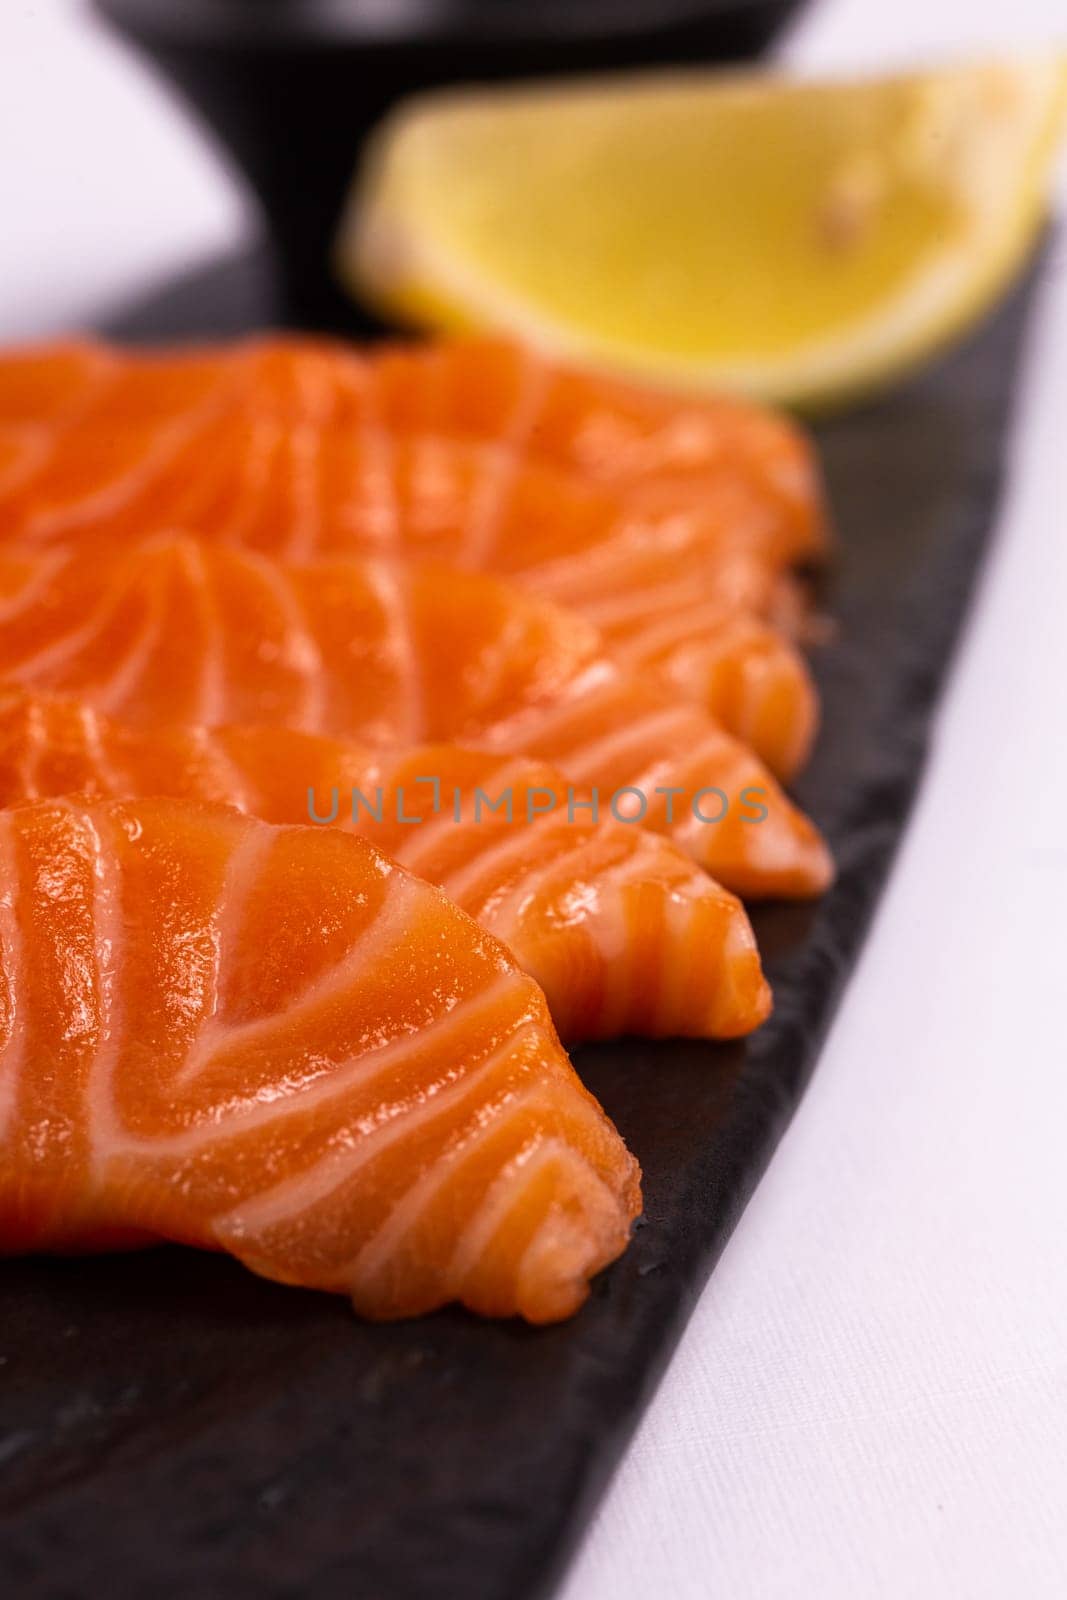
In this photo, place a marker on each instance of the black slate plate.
(171, 1426)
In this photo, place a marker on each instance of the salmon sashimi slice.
(685, 776)
(174, 630)
(682, 596)
(88, 381)
(172, 445)
(739, 667)
(662, 450)
(623, 931)
(277, 1043)
(258, 456)
(618, 926)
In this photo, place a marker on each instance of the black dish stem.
(292, 87)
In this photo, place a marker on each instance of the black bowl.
(291, 87)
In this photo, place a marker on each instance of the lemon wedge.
(797, 241)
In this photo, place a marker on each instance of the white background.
(871, 1399)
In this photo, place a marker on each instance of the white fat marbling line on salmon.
(426, 837)
(295, 1095)
(110, 780)
(231, 780)
(513, 846)
(722, 752)
(565, 1247)
(264, 443)
(112, 693)
(379, 517)
(388, 1125)
(584, 762)
(167, 440)
(300, 651)
(495, 661)
(108, 939)
(508, 1194)
(41, 664)
(555, 1231)
(580, 578)
(532, 394)
(471, 1242)
(243, 871)
(385, 932)
(655, 638)
(38, 569)
(608, 921)
(387, 1242)
(536, 723)
(647, 856)
(68, 518)
(30, 444)
(390, 588)
(304, 452)
(636, 605)
(35, 722)
(247, 475)
(438, 485)
(212, 700)
(13, 1048)
(313, 382)
(485, 514)
(562, 878)
(500, 472)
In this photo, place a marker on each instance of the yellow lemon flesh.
(795, 241)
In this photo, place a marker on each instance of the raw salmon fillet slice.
(68, 383)
(688, 778)
(663, 451)
(618, 926)
(174, 630)
(683, 594)
(277, 1043)
(260, 456)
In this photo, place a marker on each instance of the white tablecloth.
(871, 1399)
